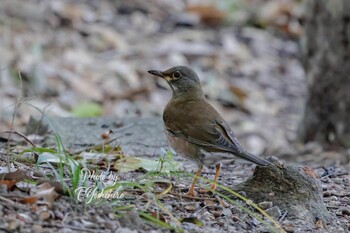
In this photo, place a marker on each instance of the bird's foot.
(213, 187)
(191, 193)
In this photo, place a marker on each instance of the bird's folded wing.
(217, 137)
(214, 136)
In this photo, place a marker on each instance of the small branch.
(21, 135)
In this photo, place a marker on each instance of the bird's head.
(183, 81)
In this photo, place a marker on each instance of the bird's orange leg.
(217, 171)
(191, 191)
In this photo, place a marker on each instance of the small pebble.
(216, 213)
(242, 193)
(208, 216)
(12, 225)
(265, 204)
(44, 215)
(202, 191)
(223, 203)
(327, 194)
(288, 226)
(334, 203)
(221, 224)
(59, 214)
(125, 230)
(345, 211)
(325, 179)
(111, 216)
(338, 180)
(227, 212)
(333, 198)
(346, 200)
(209, 203)
(274, 212)
(338, 213)
(37, 228)
(235, 218)
(169, 207)
(340, 229)
(190, 207)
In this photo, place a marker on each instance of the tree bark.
(326, 58)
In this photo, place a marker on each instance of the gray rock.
(136, 136)
(338, 180)
(265, 205)
(292, 188)
(274, 212)
(125, 230)
(227, 212)
(345, 211)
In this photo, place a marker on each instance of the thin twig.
(17, 104)
(70, 227)
(192, 197)
(283, 216)
(175, 194)
(19, 134)
(10, 203)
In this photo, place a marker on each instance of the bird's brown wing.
(206, 128)
(199, 123)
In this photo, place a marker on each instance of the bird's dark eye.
(176, 75)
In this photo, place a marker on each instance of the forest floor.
(90, 59)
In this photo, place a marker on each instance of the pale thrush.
(194, 128)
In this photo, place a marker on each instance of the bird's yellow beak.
(160, 74)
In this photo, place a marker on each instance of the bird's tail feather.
(253, 158)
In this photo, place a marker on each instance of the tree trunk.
(326, 58)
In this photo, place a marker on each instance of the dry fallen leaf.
(308, 171)
(8, 183)
(240, 93)
(56, 184)
(209, 203)
(319, 224)
(11, 178)
(203, 191)
(29, 200)
(68, 12)
(46, 191)
(209, 14)
(217, 213)
(158, 216)
(44, 215)
(17, 176)
(43, 191)
(235, 218)
(190, 207)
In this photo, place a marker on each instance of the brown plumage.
(194, 128)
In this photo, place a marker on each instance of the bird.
(195, 129)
